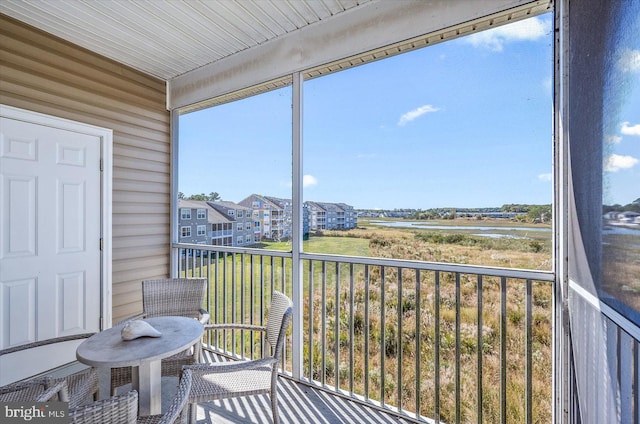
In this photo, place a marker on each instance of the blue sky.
(465, 123)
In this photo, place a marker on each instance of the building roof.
(192, 204)
(213, 216)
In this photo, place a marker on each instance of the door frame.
(106, 188)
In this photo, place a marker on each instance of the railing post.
(297, 230)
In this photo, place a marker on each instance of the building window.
(202, 230)
(185, 213)
(202, 214)
(247, 239)
(231, 212)
(239, 214)
(240, 227)
(185, 231)
(239, 240)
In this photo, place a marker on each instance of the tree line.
(526, 212)
(629, 207)
(212, 197)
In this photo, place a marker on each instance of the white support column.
(297, 230)
(173, 215)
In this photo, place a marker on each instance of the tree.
(540, 213)
(213, 196)
(180, 195)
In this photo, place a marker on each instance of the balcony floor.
(296, 403)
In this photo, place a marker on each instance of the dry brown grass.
(399, 345)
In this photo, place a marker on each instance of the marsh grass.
(403, 307)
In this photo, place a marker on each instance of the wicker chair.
(120, 409)
(82, 386)
(165, 297)
(177, 411)
(223, 380)
(36, 391)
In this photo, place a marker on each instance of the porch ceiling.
(166, 38)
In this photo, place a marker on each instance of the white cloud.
(547, 85)
(630, 129)
(494, 39)
(309, 180)
(545, 177)
(413, 114)
(629, 60)
(612, 139)
(615, 163)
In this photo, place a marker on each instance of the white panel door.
(50, 215)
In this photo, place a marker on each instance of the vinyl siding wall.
(44, 74)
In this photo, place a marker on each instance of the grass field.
(460, 245)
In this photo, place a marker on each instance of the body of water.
(484, 231)
(630, 231)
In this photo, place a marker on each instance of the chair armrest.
(232, 326)
(231, 366)
(22, 390)
(60, 389)
(45, 342)
(204, 316)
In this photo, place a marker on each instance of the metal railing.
(429, 342)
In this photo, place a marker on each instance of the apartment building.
(199, 223)
(281, 218)
(346, 216)
(267, 216)
(194, 222)
(331, 216)
(241, 219)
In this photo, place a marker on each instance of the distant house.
(626, 217)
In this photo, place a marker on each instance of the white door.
(50, 238)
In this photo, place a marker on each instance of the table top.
(107, 348)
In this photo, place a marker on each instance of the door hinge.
(101, 244)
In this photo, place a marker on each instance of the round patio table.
(106, 350)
